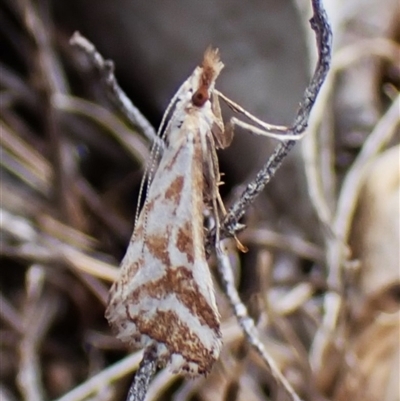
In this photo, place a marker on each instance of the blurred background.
(321, 277)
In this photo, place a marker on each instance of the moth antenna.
(172, 103)
(149, 167)
(154, 153)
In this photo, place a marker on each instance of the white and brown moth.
(164, 295)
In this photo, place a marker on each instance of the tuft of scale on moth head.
(211, 67)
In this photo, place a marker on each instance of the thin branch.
(144, 375)
(247, 323)
(229, 226)
(320, 25)
(106, 70)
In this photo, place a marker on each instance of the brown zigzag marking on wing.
(175, 189)
(167, 328)
(179, 281)
(158, 247)
(184, 241)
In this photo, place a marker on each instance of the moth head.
(208, 73)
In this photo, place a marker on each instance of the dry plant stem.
(12, 82)
(23, 161)
(312, 158)
(18, 227)
(23, 231)
(105, 213)
(320, 25)
(135, 145)
(24, 152)
(296, 245)
(383, 48)
(144, 375)
(11, 118)
(51, 79)
(318, 168)
(336, 257)
(160, 384)
(291, 337)
(349, 193)
(51, 250)
(87, 264)
(19, 169)
(119, 98)
(109, 375)
(10, 316)
(31, 167)
(38, 316)
(50, 64)
(186, 391)
(247, 323)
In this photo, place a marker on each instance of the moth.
(164, 296)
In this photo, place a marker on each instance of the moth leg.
(222, 137)
(221, 204)
(214, 181)
(280, 132)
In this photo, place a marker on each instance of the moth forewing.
(164, 294)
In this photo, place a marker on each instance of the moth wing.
(165, 291)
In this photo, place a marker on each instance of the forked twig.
(229, 226)
(320, 25)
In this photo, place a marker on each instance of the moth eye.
(200, 97)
